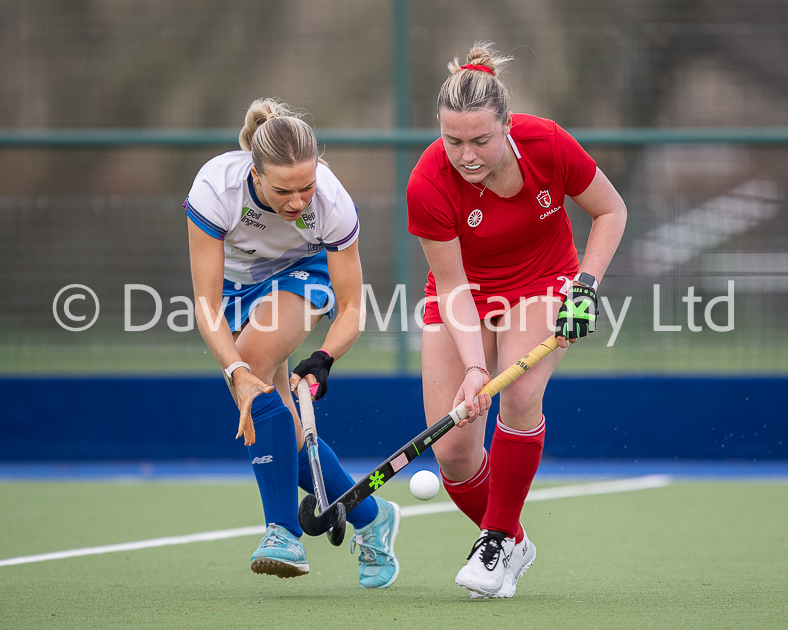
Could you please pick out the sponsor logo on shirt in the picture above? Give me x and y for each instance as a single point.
(549, 212)
(245, 251)
(544, 198)
(306, 221)
(250, 217)
(475, 217)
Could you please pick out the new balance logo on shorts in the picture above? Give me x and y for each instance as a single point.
(301, 275)
(265, 459)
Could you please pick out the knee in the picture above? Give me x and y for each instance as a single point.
(522, 411)
(458, 461)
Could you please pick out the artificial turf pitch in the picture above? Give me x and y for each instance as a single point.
(689, 555)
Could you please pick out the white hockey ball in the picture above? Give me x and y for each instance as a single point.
(424, 485)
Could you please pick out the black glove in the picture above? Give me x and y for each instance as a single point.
(318, 365)
(577, 317)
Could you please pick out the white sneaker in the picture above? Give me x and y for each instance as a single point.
(487, 563)
(522, 559)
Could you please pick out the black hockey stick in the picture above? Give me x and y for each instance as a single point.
(314, 525)
(335, 521)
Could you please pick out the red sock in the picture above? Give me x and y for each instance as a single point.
(471, 495)
(514, 459)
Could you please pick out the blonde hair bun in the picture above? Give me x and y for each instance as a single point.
(286, 140)
(469, 89)
(260, 111)
(481, 54)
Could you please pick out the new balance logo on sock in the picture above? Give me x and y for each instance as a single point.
(265, 459)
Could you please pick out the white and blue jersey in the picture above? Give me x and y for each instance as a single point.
(258, 242)
(259, 245)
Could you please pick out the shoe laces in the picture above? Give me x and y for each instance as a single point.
(369, 550)
(273, 538)
(491, 545)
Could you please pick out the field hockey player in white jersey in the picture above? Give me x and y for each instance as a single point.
(273, 238)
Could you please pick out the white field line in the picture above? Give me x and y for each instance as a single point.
(559, 492)
(544, 494)
(140, 544)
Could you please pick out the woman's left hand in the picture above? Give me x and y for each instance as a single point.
(318, 366)
(577, 316)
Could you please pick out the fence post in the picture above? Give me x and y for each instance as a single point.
(401, 72)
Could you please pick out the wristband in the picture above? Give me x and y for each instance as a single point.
(478, 368)
(234, 366)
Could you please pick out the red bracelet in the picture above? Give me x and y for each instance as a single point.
(478, 368)
(326, 351)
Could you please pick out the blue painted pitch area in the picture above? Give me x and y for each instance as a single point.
(218, 471)
(588, 419)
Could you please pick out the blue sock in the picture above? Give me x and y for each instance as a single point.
(275, 461)
(337, 483)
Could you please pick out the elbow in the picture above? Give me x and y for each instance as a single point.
(622, 215)
(623, 218)
(622, 211)
(617, 213)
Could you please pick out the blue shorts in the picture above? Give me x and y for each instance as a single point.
(309, 279)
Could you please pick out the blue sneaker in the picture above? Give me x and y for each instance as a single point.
(377, 564)
(280, 554)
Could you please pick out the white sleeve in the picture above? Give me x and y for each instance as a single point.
(341, 227)
(207, 210)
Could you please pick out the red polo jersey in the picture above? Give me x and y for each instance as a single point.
(511, 247)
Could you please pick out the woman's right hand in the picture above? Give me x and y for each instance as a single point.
(247, 388)
(475, 405)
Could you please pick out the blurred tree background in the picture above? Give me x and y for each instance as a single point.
(105, 217)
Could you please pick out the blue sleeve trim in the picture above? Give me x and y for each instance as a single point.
(334, 247)
(204, 224)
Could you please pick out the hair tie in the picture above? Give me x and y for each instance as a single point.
(475, 66)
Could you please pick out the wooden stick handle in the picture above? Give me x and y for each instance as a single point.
(512, 373)
(307, 410)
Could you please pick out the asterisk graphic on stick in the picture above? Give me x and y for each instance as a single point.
(376, 480)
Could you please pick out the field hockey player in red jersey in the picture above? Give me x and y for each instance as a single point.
(487, 203)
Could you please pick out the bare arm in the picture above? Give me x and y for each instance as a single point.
(604, 205)
(459, 315)
(207, 262)
(344, 268)
(609, 214)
